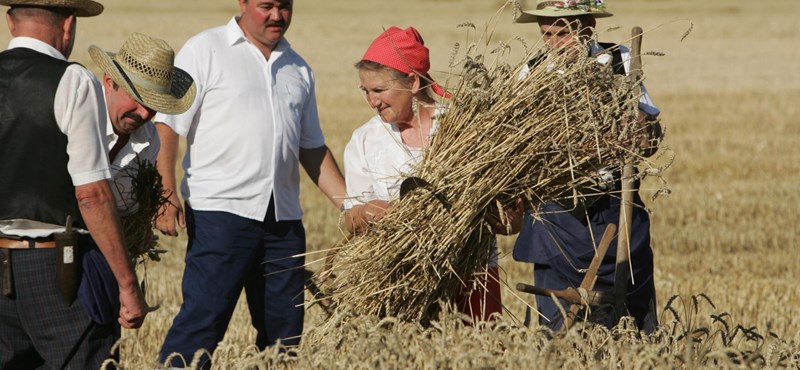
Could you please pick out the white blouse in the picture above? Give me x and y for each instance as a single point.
(376, 161)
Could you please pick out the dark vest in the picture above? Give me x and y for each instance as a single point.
(34, 182)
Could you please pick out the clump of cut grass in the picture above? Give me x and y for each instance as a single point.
(538, 135)
(148, 198)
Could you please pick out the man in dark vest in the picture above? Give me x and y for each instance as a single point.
(561, 240)
(54, 189)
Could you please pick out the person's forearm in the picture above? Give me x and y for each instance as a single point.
(166, 157)
(98, 208)
(321, 166)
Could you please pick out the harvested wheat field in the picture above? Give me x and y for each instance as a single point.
(726, 238)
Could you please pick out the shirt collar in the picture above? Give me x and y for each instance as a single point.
(35, 45)
(235, 35)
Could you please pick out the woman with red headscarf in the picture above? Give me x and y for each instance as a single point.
(395, 80)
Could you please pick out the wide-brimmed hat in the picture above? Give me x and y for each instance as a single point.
(405, 51)
(83, 8)
(144, 68)
(566, 8)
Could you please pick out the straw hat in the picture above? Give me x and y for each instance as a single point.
(144, 68)
(83, 8)
(566, 8)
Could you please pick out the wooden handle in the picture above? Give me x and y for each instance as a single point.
(636, 52)
(591, 274)
(626, 201)
(570, 295)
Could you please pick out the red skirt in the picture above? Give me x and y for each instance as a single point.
(480, 297)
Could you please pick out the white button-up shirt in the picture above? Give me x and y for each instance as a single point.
(78, 109)
(246, 126)
(142, 145)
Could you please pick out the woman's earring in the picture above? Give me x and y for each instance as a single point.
(415, 106)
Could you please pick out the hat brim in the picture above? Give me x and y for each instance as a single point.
(83, 8)
(177, 101)
(532, 16)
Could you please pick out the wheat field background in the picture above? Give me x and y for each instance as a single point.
(729, 94)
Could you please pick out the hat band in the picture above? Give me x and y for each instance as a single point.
(137, 81)
(545, 4)
(582, 5)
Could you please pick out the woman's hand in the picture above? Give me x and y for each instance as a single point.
(358, 218)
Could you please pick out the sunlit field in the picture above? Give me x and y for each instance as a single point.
(727, 250)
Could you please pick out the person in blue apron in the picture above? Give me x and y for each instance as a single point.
(560, 238)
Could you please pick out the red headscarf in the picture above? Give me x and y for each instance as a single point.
(405, 51)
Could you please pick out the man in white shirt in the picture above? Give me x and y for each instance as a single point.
(253, 123)
(54, 166)
(137, 81)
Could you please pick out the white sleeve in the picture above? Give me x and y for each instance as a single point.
(356, 173)
(80, 112)
(187, 60)
(645, 102)
(311, 135)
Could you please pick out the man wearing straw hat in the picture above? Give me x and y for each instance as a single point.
(137, 82)
(253, 124)
(55, 172)
(561, 243)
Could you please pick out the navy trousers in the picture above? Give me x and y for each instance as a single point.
(225, 254)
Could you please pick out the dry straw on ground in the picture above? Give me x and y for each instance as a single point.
(693, 336)
(506, 134)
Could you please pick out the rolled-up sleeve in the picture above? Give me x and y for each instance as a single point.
(80, 112)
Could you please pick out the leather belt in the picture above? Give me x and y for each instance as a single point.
(26, 243)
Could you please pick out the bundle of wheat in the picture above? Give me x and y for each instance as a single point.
(147, 199)
(511, 131)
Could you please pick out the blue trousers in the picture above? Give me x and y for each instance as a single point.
(226, 253)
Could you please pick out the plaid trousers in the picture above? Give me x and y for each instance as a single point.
(39, 329)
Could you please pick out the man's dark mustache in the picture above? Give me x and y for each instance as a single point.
(278, 24)
(134, 116)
